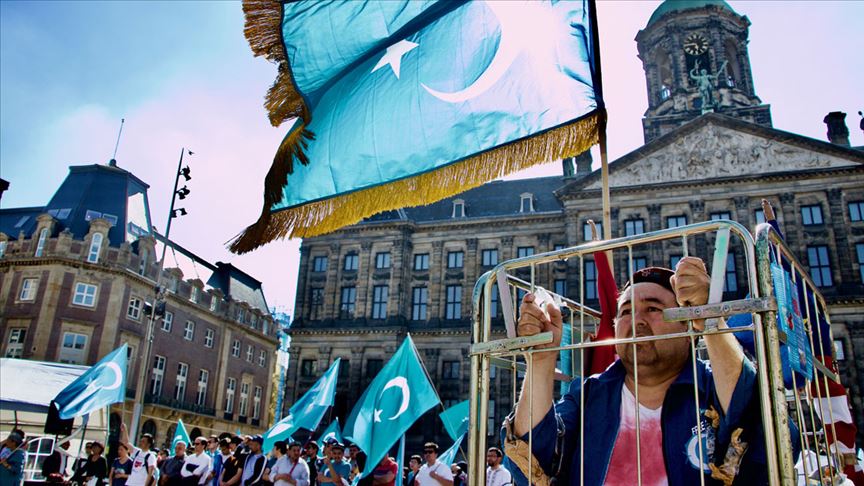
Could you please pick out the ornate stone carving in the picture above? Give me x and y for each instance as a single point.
(697, 206)
(334, 248)
(717, 152)
(742, 202)
(437, 245)
(654, 209)
(507, 241)
(787, 197)
(835, 195)
(366, 245)
(543, 239)
(472, 243)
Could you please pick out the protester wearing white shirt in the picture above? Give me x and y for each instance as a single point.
(290, 469)
(496, 474)
(143, 460)
(433, 472)
(197, 465)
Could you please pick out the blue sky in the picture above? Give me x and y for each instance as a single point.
(182, 74)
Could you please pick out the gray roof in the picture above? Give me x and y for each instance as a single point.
(496, 198)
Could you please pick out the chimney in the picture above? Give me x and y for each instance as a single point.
(583, 163)
(838, 132)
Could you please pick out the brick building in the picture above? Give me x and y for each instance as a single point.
(77, 278)
(361, 289)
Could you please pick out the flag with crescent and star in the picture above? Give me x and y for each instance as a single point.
(455, 419)
(333, 431)
(101, 385)
(403, 103)
(180, 435)
(396, 398)
(307, 412)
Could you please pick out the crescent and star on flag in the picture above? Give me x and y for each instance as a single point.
(511, 21)
(94, 387)
(401, 383)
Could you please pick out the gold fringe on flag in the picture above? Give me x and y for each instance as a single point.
(328, 215)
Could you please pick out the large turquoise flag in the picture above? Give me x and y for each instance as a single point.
(101, 385)
(448, 457)
(333, 431)
(395, 399)
(307, 412)
(404, 102)
(455, 419)
(180, 435)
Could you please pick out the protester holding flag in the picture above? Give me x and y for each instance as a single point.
(433, 472)
(143, 460)
(196, 466)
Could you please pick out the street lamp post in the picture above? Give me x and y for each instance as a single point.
(140, 383)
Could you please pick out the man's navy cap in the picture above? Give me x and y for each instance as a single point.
(257, 438)
(656, 275)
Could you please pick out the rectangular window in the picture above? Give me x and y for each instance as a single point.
(28, 289)
(230, 389)
(85, 294)
(561, 287)
(167, 321)
(316, 298)
(820, 266)
(721, 215)
(759, 215)
(250, 353)
(586, 230)
(491, 423)
(189, 331)
(308, 368)
(133, 310)
(811, 215)
(859, 251)
(490, 258)
(193, 294)
(235, 348)
(40, 245)
(95, 248)
(373, 367)
(455, 259)
(244, 399)
(201, 396)
(731, 275)
(379, 302)
(639, 263)
(2, 248)
(634, 227)
(676, 221)
(352, 262)
(382, 260)
(419, 303)
(421, 261)
(451, 370)
(319, 264)
(180, 384)
(15, 344)
(673, 260)
(493, 301)
(256, 403)
(344, 369)
(590, 275)
(454, 302)
(73, 348)
(856, 211)
(839, 350)
(209, 334)
(524, 251)
(347, 305)
(262, 358)
(214, 303)
(158, 375)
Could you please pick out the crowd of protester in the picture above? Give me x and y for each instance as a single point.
(235, 460)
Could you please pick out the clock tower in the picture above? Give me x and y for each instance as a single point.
(694, 53)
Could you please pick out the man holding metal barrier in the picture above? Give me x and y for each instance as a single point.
(597, 435)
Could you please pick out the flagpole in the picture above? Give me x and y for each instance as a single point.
(400, 460)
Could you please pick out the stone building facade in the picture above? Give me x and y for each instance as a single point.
(361, 289)
(74, 286)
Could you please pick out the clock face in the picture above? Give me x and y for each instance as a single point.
(695, 45)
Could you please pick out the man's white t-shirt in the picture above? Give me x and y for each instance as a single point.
(424, 479)
(622, 467)
(498, 476)
(138, 476)
(196, 465)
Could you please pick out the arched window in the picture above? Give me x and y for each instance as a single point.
(664, 74)
(526, 202)
(194, 434)
(95, 248)
(733, 67)
(149, 427)
(40, 245)
(458, 208)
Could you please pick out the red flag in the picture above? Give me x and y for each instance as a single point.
(603, 356)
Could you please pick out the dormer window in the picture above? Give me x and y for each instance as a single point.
(526, 202)
(95, 248)
(40, 245)
(458, 208)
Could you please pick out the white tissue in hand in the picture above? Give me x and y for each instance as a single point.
(543, 298)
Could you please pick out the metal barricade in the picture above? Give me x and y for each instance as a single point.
(516, 353)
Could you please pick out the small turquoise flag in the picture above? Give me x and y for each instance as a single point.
(403, 103)
(455, 419)
(180, 435)
(308, 411)
(331, 432)
(103, 384)
(449, 456)
(396, 398)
